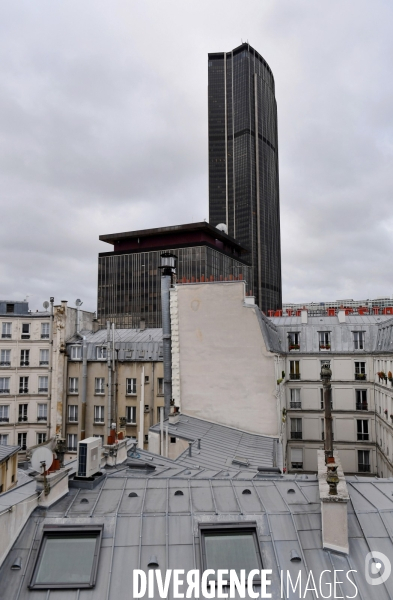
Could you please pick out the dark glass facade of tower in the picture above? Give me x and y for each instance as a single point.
(243, 163)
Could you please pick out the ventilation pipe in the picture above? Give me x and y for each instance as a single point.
(168, 266)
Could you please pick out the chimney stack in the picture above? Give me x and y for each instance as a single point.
(333, 506)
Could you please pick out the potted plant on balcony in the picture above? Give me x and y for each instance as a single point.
(294, 346)
(390, 377)
(386, 412)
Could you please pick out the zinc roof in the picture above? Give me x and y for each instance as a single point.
(7, 451)
(132, 344)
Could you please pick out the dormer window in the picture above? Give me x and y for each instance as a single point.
(76, 352)
(101, 353)
(293, 341)
(324, 341)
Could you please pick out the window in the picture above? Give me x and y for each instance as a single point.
(361, 400)
(71, 441)
(324, 340)
(322, 400)
(3, 439)
(44, 358)
(160, 386)
(131, 386)
(295, 398)
(358, 340)
(22, 440)
(23, 385)
(294, 369)
(73, 413)
(10, 308)
(131, 415)
(360, 370)
(98, 414)
(43, 384)
(6, 330)
(5, 358)
(4, 385)
(99, 386)
(147, 379)
(172, 440)
(76, 352)
(72, 385)
(41, 438)
(22, 411)
(362, 430)
(296, 458)
(293, 341)
(42, 412)
(101, 352)
(25, 331)
(230, 546)
(24, 358)
(364, 461)
(67, 557)
(4, 413)
(296, 429)
(44, 331)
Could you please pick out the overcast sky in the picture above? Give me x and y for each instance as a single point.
(103, 128)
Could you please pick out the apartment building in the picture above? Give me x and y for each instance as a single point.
(383, 385)
(124, 381)
(31, 345)
(348, 340)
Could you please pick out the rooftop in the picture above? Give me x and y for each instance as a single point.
(7, 451)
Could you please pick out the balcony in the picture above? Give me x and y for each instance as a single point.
(4, 419)
(45, 336)
(363, 437)
(43, 390)
(361, 406)
(360, 377)
(296, 435)
(294, 347)
(23, 390)
(25, 336)
(295, 405)
(42, 418)
(363, 468)
(22, 418)
(294, 375)
(5, 391)
(5, 363)
(24, 363)
(6, 336)
(44, 363)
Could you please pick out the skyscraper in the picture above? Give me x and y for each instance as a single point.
(243, 166)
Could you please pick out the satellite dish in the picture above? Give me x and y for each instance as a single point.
(78, 302)
(46, 304)
(222, 227)
(39, 456)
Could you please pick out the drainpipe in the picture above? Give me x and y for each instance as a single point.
(84, 387)
(168, 266)
(108, 356)
(141, 410)
(50, 376)
(114, 379)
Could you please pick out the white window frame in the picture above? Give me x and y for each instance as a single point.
(6, 330)
(42, 412)
(73, 385)
(364, 434)
(44, 357)
(45, 331)
(296, 425)
(99, 414)
(76, 352)
(358, 340)
(5, 358)
(3, 439)
(25, 357)
(41, 434)
(131, 385)
(43, 384)
(23, 385)
(5, 385)
(72, 415)
(99, 385)
(296, 458)
(130, 414)
(101, 352)
(160, 386)
(295, 402)
(4, 413)
(324, 341)
(23, 444)
(25, 331)
(72, 442)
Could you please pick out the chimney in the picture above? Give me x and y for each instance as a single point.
(341, 314)
(142, 324)
(334, 499)
(303, 315)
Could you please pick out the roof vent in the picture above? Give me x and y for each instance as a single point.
(133, 495)
(179, 493)
(295, 556)
(187, 472)
(246, 492)
(291, 491)
(153, 562)
(17, 564)
(84, 501)
(240, 460)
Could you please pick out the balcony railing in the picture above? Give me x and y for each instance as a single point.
(24, 363)
(363, 437)
(324, 347)
(72, 390)
(293, 347)
(45, 336)
(294, 375)
(71, 448)
(44, 362)
(23, 390)
(42, 390)
(297, 465)
(296, 435)
(25, 336)
(22, 418)
(362, 468)
(295, 405)
(360, 376)
(5, 391)
(4, 419)
(5, 363)
(42, 418)
(361, 406)
(6, 336)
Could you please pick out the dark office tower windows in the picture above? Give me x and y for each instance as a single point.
(243, 163)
